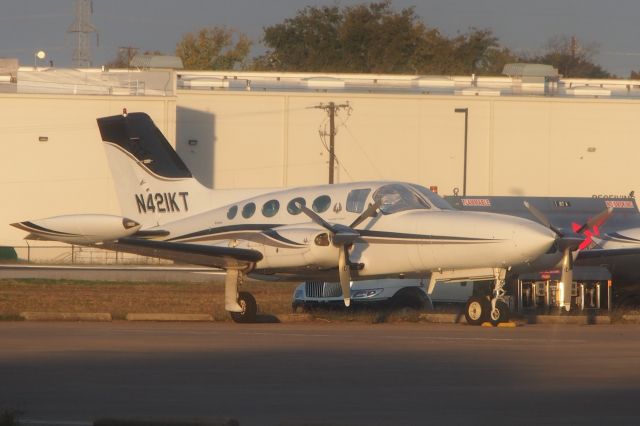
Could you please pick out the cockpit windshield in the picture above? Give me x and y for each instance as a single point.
(433, 198)
(397, 197)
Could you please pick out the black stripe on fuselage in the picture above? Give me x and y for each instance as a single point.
(400, 236)
(223, 230)
(226, 232)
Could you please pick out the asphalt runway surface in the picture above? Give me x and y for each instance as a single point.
(322, 374)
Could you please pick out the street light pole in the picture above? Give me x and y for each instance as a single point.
(466, 128)
(40, 54)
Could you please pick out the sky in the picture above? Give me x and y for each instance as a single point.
(27, 26)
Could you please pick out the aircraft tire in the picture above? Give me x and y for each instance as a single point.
(500, 313)
(248, 302)
(476, 310)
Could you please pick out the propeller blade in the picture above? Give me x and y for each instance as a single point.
(542, 218)
(597, 220)
(345, 276)
(315, 217)
(566, 278)
(342, 234)
(371, 211)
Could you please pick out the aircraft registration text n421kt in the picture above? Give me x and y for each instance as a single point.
(162, 202)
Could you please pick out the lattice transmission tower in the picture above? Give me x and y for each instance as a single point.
(82, 27)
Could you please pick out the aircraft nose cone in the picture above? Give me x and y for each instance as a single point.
(531, 239)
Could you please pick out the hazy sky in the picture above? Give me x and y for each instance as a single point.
(27, 26)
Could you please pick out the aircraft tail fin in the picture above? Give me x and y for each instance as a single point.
(154, 186)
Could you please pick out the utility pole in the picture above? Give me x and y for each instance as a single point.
(127, 52)
(331, 108)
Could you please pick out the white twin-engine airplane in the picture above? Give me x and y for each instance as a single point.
(331, 232)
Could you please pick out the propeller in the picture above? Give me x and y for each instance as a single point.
(342, 237)
(568, 244)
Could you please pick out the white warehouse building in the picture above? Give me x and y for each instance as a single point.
(528, 133)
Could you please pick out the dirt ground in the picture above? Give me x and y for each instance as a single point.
(121, 298)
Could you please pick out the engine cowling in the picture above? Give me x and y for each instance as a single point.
(295, 246)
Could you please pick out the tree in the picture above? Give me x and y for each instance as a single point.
(571, 58)
(374, 38)
(362, 38)
(479, 52)
(214, 48)
(123, 58)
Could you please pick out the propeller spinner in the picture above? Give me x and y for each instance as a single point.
(342, 237)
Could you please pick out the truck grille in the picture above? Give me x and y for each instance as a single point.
(322, 289)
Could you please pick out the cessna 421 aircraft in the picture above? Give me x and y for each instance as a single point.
(328, 232)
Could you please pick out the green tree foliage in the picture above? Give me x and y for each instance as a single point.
(571, 58)
(214, 48)
(374, 38)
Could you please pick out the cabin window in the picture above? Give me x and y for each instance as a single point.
(232, 212)
(270, 208)
(248, 210)
(293, 206)
(321, 204)
(357, 199)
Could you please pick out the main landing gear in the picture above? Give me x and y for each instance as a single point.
(480, 309)
(242, 306)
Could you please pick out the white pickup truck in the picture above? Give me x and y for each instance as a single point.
(394, 292)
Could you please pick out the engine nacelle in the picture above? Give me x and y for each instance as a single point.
(295, 246)
(80, 228)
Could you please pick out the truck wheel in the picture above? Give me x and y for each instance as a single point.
(500, 313)
(477, 310)
(249, 308)
(411, 298)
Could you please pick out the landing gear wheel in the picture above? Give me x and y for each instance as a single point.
(249, 308)
(477, 310)
(500, 313)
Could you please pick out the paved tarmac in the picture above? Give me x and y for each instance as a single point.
(322, 374)
(169, 273)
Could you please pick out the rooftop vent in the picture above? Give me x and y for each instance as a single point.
(157, 61)
(523, 70)
(202, 83)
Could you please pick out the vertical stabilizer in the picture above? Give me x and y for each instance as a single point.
(153, 184)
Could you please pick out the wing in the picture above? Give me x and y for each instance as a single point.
(606, 254)
(195, 254)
